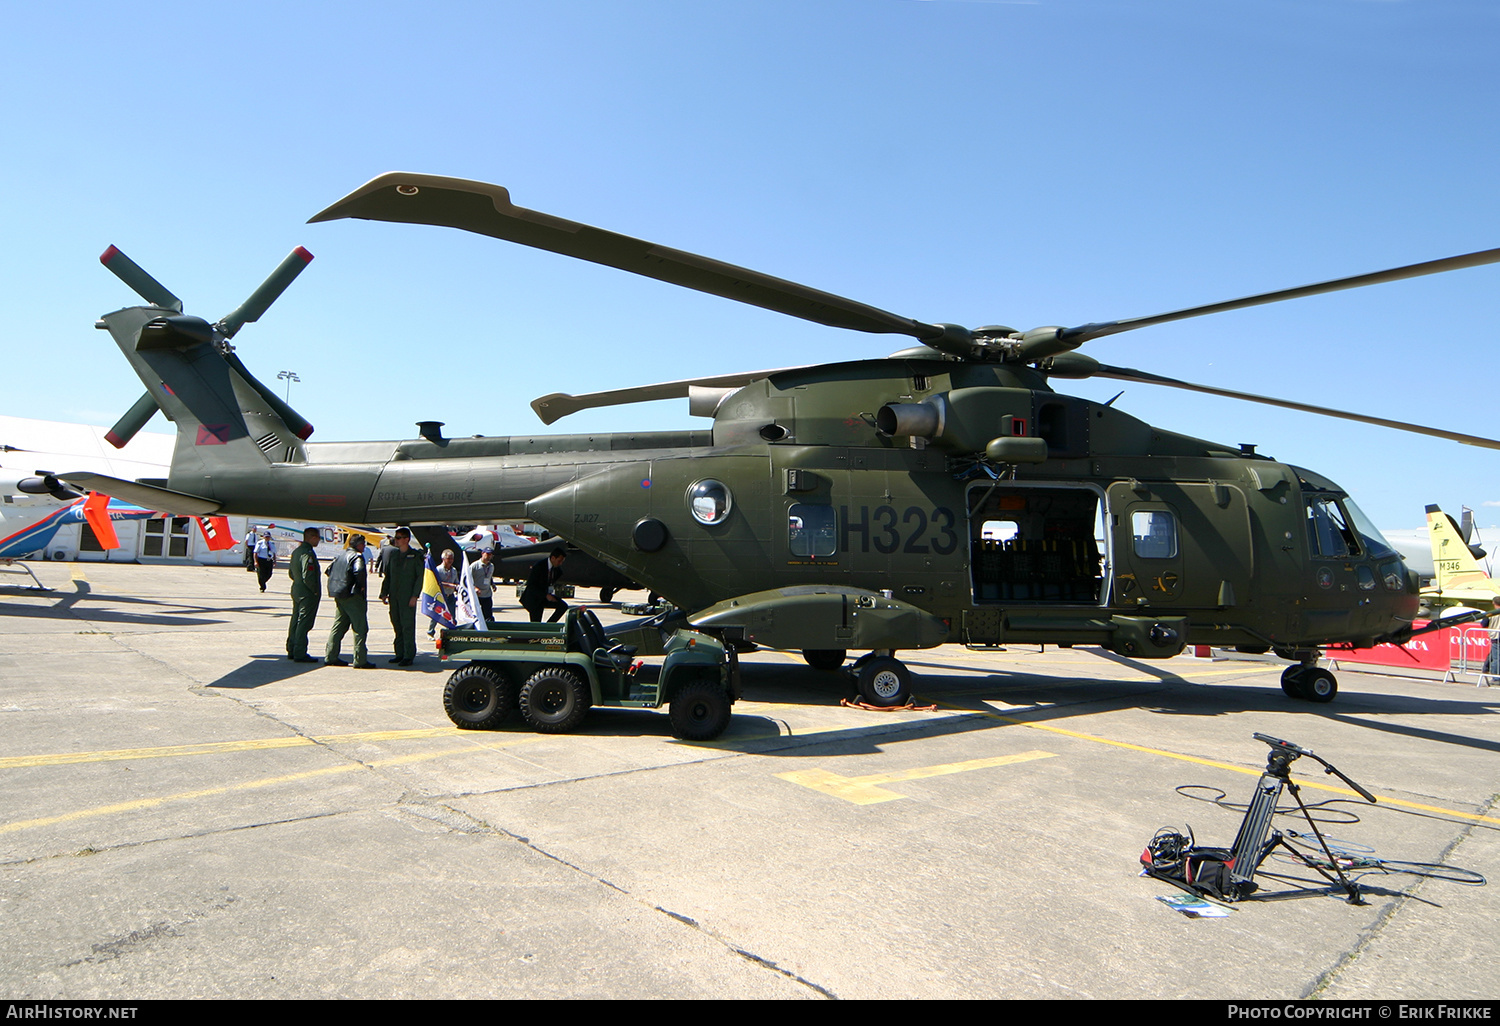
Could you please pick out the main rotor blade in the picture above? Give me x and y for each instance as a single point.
(554, 407)
(1129, 374)
(487, 210)
(1072, 338)
(145, 286)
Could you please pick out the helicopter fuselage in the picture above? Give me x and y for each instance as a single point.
(1121, 534)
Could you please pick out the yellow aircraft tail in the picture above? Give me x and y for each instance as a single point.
(1452, 558)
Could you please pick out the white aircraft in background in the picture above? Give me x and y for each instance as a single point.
(496, 536)
(34, 505)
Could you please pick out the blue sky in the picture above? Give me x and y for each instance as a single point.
(1016, 163)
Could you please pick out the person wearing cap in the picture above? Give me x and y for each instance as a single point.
(399, 590)
(346, 586)
(307, 589)
(265, 558)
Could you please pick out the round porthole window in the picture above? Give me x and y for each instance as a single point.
(709, 502)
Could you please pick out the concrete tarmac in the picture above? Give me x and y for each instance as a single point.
(186, 813)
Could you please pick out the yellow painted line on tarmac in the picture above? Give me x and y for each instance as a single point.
(1191, 674)
(216, 747)
(250, 785)
(1235, 769)
(864, 790)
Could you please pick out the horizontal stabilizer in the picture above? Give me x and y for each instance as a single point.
(143, 495)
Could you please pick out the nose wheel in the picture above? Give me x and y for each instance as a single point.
(1309, 683)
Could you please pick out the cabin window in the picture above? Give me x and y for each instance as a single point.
(1366, 578)
(710, 502)
(1000, 530)
(1155, 533)
(811, 530)
(1328, 532)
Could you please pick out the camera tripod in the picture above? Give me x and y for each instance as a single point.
(1229, 874)
(1256, 838)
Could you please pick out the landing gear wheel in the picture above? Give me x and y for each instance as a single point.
(1292, 682)
(605, 594)
(700, 711)
(477, 698)
(1318, 685)
(825, 658)
(554, 701)
(883, 681)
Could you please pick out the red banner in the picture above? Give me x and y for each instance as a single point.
(1468, 645)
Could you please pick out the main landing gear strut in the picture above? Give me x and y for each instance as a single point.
(880, 677)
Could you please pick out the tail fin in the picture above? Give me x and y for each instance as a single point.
(227, 421)
(1452, 557)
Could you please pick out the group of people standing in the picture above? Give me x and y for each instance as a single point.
(402, 568)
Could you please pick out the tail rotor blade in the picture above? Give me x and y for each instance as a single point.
(145, 286)
(250, 310)
(135, 418)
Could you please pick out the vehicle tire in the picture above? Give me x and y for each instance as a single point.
(884, 681)
(825, 658)
(1291, 682)
(1318, 685)
(605, 594)
(700, 711)
(554, 700)
(477, 697)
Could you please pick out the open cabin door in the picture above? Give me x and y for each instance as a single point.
(1031, 544)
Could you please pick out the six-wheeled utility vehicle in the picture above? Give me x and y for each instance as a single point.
(555, 671)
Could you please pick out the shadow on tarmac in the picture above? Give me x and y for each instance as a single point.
(70, 605)
(1025, 697)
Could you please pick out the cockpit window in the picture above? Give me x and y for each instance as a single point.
(1374, 543)
(1328, 531)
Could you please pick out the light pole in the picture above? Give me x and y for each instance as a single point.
(289, 377)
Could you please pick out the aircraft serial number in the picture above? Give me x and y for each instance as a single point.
(881, 530)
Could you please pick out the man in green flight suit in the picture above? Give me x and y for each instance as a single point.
(307, 589)
(399, 589)
(346, 586)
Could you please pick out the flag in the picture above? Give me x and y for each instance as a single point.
(468, 599)
(216, 532)
(431, 604)
(96, 512)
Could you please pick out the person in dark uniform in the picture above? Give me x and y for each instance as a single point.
(383, 558)
(540, 591)
(265, 558)
(346, 586)
(399, 589)
(307, 589)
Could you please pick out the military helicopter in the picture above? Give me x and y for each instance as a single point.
(943, 494)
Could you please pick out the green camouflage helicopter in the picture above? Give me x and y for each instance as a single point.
(943, 494)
